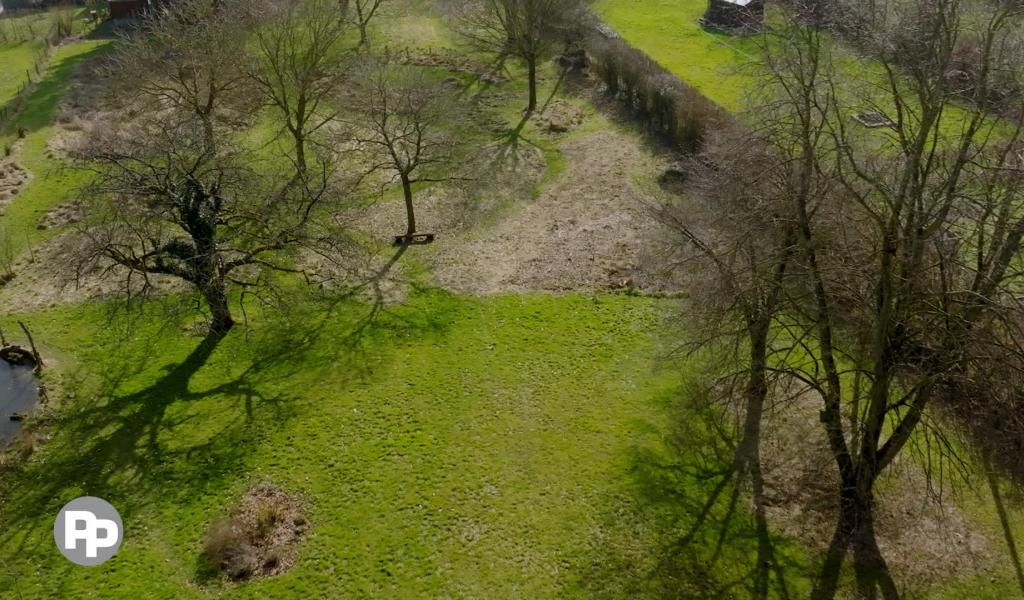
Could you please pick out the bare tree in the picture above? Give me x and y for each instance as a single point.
(525, 29)
(404, 126)
(885, 260)
(173, 194)
(907, 239)
(733, 217)
(363, 12)
(300, 63)
(188, 56)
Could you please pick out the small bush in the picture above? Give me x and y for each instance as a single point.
(258, 538)
(227, 547)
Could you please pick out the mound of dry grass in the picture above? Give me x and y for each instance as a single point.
(260, 536)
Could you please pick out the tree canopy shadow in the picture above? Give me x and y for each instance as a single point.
(113, 449)
(196, 424)
(509, 141)
(691, 520)
(992, 477)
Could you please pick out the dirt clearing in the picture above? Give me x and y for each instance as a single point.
(590, 230)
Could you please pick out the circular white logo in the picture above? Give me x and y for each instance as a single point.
(88, 531)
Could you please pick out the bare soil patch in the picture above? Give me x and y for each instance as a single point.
(453, 61)
(66, 214)
(12, 179)
(590, 230)
(559, 117)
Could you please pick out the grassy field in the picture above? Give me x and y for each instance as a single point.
(453, 448)
(450, 447)
(528, 446)
(19, 59)
(53, 183)
(727, 68)
(23, 47)
(717, 65)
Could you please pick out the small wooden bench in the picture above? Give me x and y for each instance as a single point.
(873, 120)
(416, 239)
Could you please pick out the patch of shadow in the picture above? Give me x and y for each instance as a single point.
(684, 526)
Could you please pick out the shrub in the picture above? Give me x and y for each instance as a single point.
(666, 105)
(259, 536)
(228, 547)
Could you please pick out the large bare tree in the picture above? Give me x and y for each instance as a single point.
(907, 235)
(884, 260)
(188, 57)
(173, 192)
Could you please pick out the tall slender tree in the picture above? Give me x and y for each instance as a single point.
(525, 29)
(404, 125)
(300, 62)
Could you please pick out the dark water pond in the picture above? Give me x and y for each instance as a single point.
(19, 393)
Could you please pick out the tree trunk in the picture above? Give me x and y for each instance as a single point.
(364, 36)
(870, 567)
(855, 532)
(211, 282)
(531, 64)
(410, 212)
(300, 155)
(217, 300)
(749, 452)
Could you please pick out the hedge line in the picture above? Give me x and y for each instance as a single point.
(665, 104)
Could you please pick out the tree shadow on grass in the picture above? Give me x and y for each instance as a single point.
(992, 477)
(196, 425)
(508, 149)
(114, 450)
(688, 527)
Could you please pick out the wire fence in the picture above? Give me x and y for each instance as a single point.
(51, 28)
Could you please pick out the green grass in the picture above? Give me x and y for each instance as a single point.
(52, 182)
(453, 447)
(23, 48)
(716, 64)
(19, 61)
(530, 446)
(25, 26)
(727, 68)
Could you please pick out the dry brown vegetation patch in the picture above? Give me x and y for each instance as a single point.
(66, 214)
(12, 179)
(923, 536)
(260, 537)
(47, 276)
(559, 117)
(453, 61)
(592, 229)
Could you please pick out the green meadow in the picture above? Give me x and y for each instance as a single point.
(445, 446)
